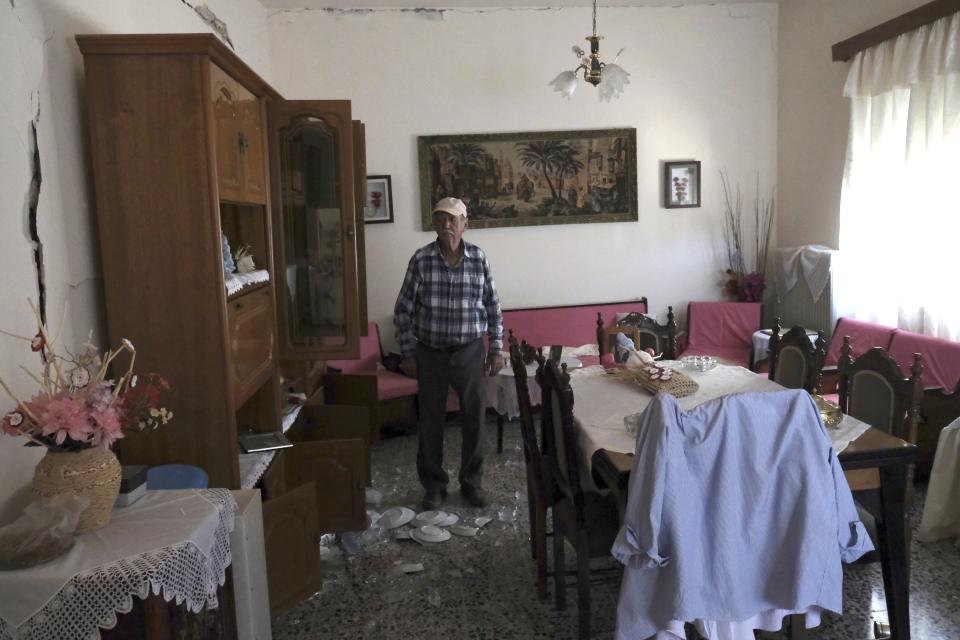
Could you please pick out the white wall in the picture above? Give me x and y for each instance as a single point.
(814, 115)
(42, 77)
(703, 86)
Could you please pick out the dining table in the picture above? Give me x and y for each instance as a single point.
(874, 462)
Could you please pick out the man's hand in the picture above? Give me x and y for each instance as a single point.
(494, 363)
(409, 366)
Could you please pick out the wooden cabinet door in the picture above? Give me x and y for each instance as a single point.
(314, 229)
(252, 169)
(250, 321)
(360, 188)
(225, 93)
(330, 449)
(290, 542)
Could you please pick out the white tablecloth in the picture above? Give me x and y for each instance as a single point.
(175, 543)
(601, 402)
(502, 391)
(941, 511)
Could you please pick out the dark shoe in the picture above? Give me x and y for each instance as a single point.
(433, 500)
(474, 497)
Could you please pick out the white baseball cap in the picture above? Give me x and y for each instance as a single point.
(453, 206)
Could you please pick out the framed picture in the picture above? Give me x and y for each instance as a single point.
(379, 204)
(681, 184)
(521, 179)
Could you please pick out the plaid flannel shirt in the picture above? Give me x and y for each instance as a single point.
(444, 307)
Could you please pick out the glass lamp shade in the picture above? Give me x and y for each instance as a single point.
(612, 81)
(565, 83)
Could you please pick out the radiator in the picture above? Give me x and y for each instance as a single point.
(797, 305)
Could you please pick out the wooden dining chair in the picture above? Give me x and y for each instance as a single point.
(795, 362)
(539, 489)
(873, 389)
(589, 521)
(662, 338)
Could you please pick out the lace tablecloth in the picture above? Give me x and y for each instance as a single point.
(174, 543)
(602, 402)
(237, 281)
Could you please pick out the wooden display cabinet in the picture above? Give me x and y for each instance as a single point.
(179, 144)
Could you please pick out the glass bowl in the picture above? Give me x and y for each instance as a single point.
(699, 363)
(829, 412)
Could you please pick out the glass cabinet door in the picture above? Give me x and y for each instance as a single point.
(314, 229)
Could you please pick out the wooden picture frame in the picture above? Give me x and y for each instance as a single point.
(532, 178)
(681, 184)
(378, 207)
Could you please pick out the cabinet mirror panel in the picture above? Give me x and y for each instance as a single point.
(313, 240)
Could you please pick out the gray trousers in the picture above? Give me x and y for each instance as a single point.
(436, 371)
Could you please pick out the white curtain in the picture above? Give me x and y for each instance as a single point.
(900, 203)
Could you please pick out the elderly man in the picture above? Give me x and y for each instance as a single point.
(447, 302)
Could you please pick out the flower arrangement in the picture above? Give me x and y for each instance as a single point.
(746, 282)
(77, 406)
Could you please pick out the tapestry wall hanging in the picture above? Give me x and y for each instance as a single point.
(522, 179)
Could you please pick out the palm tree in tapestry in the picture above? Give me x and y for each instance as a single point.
(543, 155)
(466, 154)
(568, 165)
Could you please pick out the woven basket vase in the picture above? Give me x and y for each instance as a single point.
(93, 472)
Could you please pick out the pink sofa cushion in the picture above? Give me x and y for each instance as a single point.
(941, 358)
(727, 325)
(863, 337)
(369, 354)
(393, 385)
(570, 326)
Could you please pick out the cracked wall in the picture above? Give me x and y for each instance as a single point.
(48, 237)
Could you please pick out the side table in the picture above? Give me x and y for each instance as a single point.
(170, 543)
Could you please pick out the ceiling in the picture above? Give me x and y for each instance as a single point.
(480, 4)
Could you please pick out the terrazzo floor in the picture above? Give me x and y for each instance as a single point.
(483, 587)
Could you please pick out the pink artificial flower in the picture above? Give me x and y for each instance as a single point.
(100, 396)
(61, 416)
(11, 423)
(106, 427)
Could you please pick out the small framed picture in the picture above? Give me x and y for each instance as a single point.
(681, 184)
(379, 204)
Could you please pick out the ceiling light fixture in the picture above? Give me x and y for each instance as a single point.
(608, 77)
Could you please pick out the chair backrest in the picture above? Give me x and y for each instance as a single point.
(863, 337)
(873, 389)
(722, 324)
(566, 455)
(795, 362)
(370, 354)
(528, 431)
(941, 357)
(659, 337)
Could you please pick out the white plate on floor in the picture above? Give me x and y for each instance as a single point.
(572, 363)
(430, 533)
(429, 517)
(463, 530)
(451, 518)
(395, 517)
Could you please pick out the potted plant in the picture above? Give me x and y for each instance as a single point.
(78, 413)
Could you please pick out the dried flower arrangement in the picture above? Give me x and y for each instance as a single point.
(77, 407)
(746, 281)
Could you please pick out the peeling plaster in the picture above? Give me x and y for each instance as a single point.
(33, 199)
(211, 20)
(428, 13)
